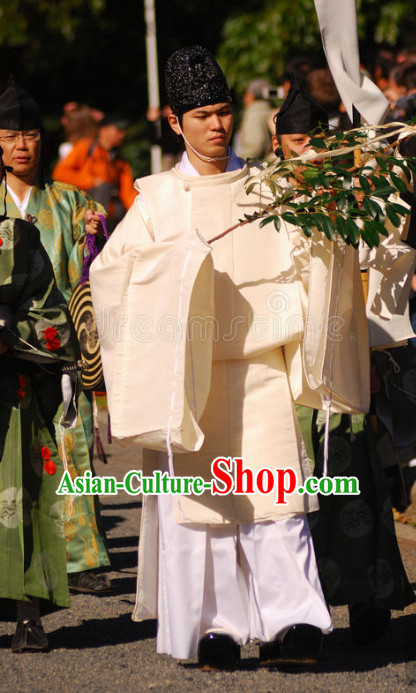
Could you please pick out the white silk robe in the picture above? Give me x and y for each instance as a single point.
(205, 348)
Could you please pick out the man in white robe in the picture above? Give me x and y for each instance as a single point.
(220, 570)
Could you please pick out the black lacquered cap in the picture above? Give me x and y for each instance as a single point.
(18, 111)
(193, 78)
(300, 114)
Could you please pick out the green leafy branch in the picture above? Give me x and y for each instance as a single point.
(340, 195)
(345, 187)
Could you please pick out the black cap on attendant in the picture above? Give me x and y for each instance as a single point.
(300, 114)
(193, 78)
(18, 111)
(115, 119)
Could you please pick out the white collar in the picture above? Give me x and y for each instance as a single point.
(233, 164)
(20, 204)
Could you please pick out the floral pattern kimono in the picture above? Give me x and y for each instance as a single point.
(35, 326)
(58, 210)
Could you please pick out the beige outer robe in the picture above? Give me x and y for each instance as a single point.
(205, 348)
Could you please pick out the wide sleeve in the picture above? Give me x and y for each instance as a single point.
(331, 362)
(74, 235)
(39, 328)
(157, 370)
(390, 270)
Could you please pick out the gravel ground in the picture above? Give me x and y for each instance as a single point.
(97, 648)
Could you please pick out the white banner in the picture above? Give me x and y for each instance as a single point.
(338, 25)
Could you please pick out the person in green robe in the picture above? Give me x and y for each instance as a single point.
(37, 340)
(354, 538)
(60, 212)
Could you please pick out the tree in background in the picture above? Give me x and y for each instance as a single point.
(94, 50)
(258, 43)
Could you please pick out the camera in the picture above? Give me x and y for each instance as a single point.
(273, 93)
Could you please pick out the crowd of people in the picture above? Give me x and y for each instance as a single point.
(216, 570)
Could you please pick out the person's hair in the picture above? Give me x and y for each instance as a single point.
(394, 73)
(258, 88)
(296, 69)
(321, 86)
(406, 55)
(406, 76)
(79, 123)
(382, 63)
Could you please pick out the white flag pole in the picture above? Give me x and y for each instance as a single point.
(152, 76)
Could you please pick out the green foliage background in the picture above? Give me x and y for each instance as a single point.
(94, 50)
(257, 43)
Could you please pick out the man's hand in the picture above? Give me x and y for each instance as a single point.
(92, 223)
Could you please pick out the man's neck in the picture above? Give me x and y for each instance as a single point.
(206, 168)
(20, 186)
(102, 141)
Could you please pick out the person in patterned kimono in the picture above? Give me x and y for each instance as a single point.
(36, 340)
(354, 538)
(59, 211)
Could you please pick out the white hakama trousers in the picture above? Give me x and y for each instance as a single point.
(250, 581)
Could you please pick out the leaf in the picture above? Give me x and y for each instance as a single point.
(353, 232)
(411, 162)
(367, 238)
(382, 187)
(375, 230)
(382, 163)
(317, 143)
(268, 220)
(372, 208)
(405, 168)
(306, 226)
(307, 204)
(357, 213)
(316, 221)
(342, 202)
(400, 209)
(276, 221)
(341, 227)
(273, 187)
(328, 227)
(289, 217)
(394, 218)
(398, 182)
(365, 185)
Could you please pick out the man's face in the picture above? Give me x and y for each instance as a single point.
(21, 151)
(111, 137)
(208, 128)
(294, 143)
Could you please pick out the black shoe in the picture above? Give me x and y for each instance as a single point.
(30, 636)
(300, 647)
(218, 651)
(368, 621)
(88, 583)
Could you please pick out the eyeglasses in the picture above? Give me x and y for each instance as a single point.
(27, 135)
